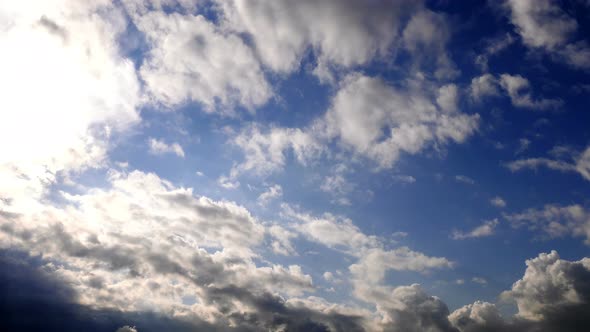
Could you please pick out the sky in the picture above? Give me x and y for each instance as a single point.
(279, 165)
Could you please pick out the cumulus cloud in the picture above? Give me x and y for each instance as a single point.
(133, 236)
(265, 149)
(544, 25)
(368, 118)
(478, 316)
(340, 32)
(486, 229)
(160, 147)
(555, 220)
(378, 121)
(549, 285)
(425, 37)
(191, 59)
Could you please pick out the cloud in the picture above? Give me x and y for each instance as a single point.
(161, 147)
(550, 283)
(410, 308)
(265, 150)
(367, 118)
(517, 87)
(135, 235)
(580, 164)
(483, 86)
(479, 280)
(404, 178)
(486, 229)
(555, 220)
(272, 192)
(342, 33)
(59, 113)
(126, 328)
(425, 38)
(498, 202)
(464, 179)
(191, 59)
(448, 97)
(544, 25)
(378, 121)
(478, 316)
(493, 47)
(331, 231)
(281, 243)
(374, 262)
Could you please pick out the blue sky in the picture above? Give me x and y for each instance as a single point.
(291, 165)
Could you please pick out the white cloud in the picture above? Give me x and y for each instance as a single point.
(265, 150)
(493, 47)
(281, 243)
(404, 178)
(367, 117)
(542, 24)
(486, 229)
(58, 113)
(143, 231)
(425, 37)
(272, 192)
(378, 121)
(498, 202)
(190, 59)
(555, 220)
(518, 88)
(484, 86)
(343, 33)
(126, 328)
(479, 280)
(580, 164)
(374, 262)
(448, 97)
(331, 231)
(160, 147)
(228, 183)
(464, 179)
(548, 284)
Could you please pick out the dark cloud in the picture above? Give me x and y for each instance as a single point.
(33, 299)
